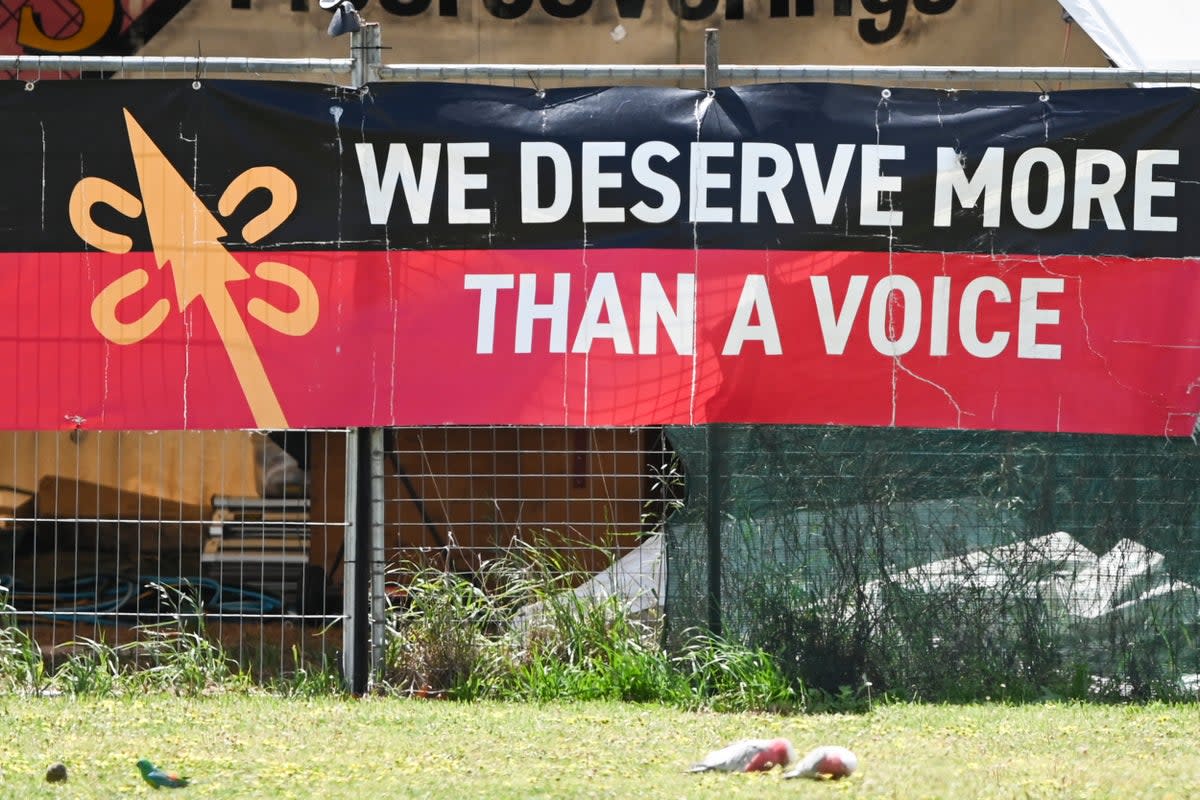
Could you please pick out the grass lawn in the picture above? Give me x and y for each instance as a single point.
(270, 747)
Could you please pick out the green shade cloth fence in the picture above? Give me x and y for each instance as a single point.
(943, 564)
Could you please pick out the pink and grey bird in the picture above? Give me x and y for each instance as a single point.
(826, 761)
(748, 755)
(159, 778)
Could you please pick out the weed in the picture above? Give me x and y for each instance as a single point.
(530, 637)
(177, 655)
(22, 665)
(323, 680)
(94, 668)
(727, 676)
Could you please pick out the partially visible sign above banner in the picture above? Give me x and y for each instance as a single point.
(77, 27)
(923, 32)
(249, 254)
(883, 18)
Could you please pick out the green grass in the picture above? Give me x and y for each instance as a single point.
(256, 746)
(578, 701)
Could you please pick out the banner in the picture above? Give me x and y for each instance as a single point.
(181, 254)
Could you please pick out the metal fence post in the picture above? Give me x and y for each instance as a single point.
(712, 521)
(712, 58)
(353, 597)
(378, 561)
(363, 590)
(366, 54)
(713, 438)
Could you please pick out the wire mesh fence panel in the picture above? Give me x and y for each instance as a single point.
(133, 539)
(945, 563)
(457, 497)
(493, 529)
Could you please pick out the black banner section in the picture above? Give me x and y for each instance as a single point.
(787, 167)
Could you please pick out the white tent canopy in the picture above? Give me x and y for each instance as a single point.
(1141, 34)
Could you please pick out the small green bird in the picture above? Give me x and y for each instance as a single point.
(158, 777)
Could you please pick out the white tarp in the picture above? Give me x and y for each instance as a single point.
(1141, 34)
(1084, 585)
(637, 579)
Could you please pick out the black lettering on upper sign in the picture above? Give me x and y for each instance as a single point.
(404, 8)
(871, 31)
(630, 9)
(808, 8)
(566, 9)
(507, 9)
(884, 21)
(693, 9)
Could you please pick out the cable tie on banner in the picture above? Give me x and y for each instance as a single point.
(17, 71)
(537, 90)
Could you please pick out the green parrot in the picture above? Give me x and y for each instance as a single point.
(158, 777)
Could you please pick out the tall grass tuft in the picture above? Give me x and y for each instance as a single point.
(323, 680)
(94, 668)
(514, 630)
(177, 655)
(727, 676)
(22, 665)
(589, 649)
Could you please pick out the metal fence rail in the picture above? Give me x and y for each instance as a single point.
(365, 64)
(755, 74)
(199, 65)
(209, 65)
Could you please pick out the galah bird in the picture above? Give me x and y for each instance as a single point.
(748, 755)
(829, 760)
(159, 777)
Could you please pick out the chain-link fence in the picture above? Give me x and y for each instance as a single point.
(944, 563)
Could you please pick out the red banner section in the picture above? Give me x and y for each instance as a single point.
(604, 337)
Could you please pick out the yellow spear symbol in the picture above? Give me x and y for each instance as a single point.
(187, 236)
